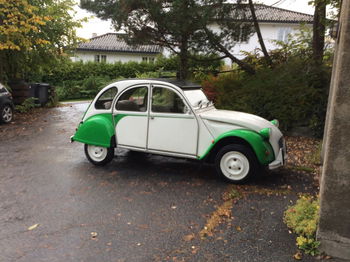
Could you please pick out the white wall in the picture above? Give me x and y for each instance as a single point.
(269, 32)
(111, 57)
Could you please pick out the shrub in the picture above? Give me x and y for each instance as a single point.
(75, 80)
(302, 219)
(283, 92)
(26, 106)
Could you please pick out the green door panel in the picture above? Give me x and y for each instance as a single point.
(261, 147)
(96, 130)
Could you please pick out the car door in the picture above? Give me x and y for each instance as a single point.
(173, 128)
(131, 117)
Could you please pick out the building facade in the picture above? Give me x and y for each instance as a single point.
(111, 48)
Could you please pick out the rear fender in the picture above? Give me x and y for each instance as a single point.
(97, 130)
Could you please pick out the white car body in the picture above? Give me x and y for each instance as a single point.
(192, 133)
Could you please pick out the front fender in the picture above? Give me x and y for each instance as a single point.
(261, 147)
(96, 130)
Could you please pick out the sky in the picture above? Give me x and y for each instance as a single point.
(100, 27)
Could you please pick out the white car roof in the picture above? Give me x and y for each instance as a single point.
(177, 84)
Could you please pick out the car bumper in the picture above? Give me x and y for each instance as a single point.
(281, 157)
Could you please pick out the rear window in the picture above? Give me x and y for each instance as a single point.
(105, 100)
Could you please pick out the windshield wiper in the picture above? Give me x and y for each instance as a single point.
(200, 103)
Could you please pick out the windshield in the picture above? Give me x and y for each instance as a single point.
(197, 98)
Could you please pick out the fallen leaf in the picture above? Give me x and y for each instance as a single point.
(93, 234)
(238, 228)
(298, 256)
(189, 237)
(33, 227)
(173, 207)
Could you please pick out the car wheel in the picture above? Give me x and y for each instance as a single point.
(236, 163)
(98, 155)
(6, 114)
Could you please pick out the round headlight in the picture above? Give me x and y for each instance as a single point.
(275, 122)
(265, 133)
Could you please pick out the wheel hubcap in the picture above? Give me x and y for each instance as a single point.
(7, 114)
(234, 165)
(97, 153)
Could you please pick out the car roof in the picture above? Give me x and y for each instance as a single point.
(183, 84)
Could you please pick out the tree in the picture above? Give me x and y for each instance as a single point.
(179, 25)
(258, 32)
(33, 34)
(319, 28)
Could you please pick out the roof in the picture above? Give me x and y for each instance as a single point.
(182, 84)
(271, 14)
(113, 42)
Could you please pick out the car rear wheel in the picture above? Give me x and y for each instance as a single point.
(236, 163)
(6, 114)
(98, 155)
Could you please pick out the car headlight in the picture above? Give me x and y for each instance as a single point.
(265, 133)
(275, 123)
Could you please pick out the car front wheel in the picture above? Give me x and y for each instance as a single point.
(236, 163)
(98, 155)
(6, 114)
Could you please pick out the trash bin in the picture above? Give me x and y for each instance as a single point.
(40, 91)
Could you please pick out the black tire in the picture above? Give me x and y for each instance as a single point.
(236, 163)
(6, 113)
(104, 159)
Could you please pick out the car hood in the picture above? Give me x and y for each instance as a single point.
(241, 119)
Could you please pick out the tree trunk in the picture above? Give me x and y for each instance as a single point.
(319, 31)
(258, 32)
(217, 45)
(183, 70)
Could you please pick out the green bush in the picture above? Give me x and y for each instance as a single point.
(283, 92)
(302, 219)
(75, 80)
(26, 106)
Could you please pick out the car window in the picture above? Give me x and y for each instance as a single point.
(165, 100)
(105, 100)
(134, 99)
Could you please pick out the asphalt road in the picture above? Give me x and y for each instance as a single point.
(56, 206)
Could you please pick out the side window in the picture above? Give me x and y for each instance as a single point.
(165, 100)
(134, 99)
(105, 100)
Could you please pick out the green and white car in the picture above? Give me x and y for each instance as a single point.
(175, 118)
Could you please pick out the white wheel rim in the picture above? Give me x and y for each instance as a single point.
(97, 153)
(234, 165)
(7, 114)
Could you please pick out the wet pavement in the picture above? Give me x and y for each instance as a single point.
(56, 206)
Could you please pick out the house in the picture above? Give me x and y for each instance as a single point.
(111, 48)
(275, 24)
